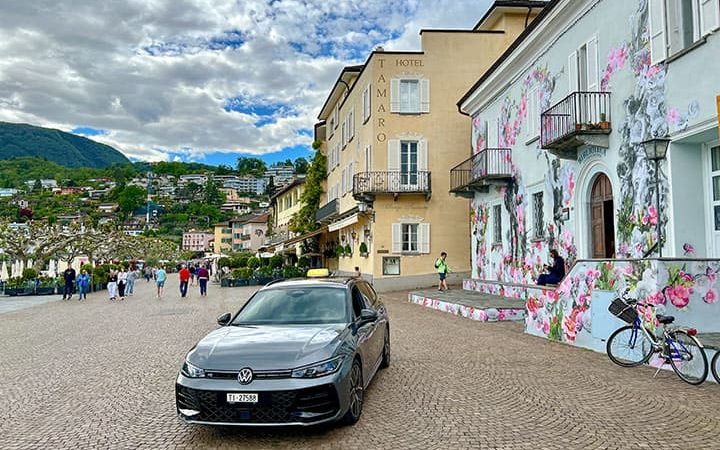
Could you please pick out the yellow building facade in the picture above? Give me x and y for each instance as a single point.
(222, 243)
(391, 132)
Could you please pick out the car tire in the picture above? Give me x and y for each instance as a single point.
(356, 395)
(386, 351)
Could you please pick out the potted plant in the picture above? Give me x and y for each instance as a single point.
(340, 251)
(348, 251)
(13, 285)
(604, 124)
(45, 286)
(363, 250)
(263, 275)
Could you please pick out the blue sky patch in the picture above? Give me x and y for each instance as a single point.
(89, 131)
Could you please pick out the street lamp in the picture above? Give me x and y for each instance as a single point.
(656, 150)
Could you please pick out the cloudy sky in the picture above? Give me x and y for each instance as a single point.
(201, 80)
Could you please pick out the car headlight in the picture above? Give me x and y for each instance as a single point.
(192, 371)
(318, 370)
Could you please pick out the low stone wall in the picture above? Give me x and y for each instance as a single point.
(406, 283)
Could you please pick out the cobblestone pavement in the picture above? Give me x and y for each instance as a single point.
(97, 375)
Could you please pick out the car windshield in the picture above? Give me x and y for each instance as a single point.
(302, 305)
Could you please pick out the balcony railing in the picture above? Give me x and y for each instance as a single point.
(244, 237)
(277, 238)
(328, 211)
(577, 115)
(372, 183)
(480, 169)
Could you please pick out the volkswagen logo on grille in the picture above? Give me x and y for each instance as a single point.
(245, 375)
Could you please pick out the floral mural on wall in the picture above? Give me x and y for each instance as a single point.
(479, 217)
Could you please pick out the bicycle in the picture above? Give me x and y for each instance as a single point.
(634, 345)
(715, 366)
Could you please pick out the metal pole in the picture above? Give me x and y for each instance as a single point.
(657, 206)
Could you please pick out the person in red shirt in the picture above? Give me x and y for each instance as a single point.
(184, 279)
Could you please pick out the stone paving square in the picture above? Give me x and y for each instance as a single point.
(100, 375)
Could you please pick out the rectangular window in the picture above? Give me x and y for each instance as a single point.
(497, 224)
(368, 158)
(675, 25)
(409, 163)
(410, 237)
(715, 184)
(533, 114)
(391, 265)
(538, 217)
(409, 96)
(366, 102)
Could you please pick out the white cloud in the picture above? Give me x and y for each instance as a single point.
(156, 73)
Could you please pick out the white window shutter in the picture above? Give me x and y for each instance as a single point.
(396, 238)
(592, 64)
(572, 72)
(425, 96)
(352, 123)
(658, 41)
(424, 238)
(395, 95)
(343, 180)
(393, 155)
(422, 155)
(369, 102)
(709, 16)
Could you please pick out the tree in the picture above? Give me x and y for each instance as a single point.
(131, 198)
(251, 166)
(303, 221)
(37, 186)
(301, 166)
(213, 196)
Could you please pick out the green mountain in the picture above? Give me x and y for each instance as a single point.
(69, 150)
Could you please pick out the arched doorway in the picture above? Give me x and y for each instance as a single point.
(602, 222)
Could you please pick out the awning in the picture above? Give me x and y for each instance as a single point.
(340, 224)
(304, 236)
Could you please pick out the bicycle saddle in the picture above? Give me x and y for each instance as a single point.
(665, 319)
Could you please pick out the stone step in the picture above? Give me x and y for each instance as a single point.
(471, 305)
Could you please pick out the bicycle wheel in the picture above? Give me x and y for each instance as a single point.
(715, 366)
(688, 358)
(629, 347)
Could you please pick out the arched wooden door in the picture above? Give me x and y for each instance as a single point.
(602, 220)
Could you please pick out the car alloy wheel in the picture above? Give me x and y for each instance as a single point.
(356, 395)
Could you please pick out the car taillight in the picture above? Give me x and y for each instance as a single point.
(692, 331)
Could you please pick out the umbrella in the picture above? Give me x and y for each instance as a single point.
(52, 270)
(15, 267)
(4, 275)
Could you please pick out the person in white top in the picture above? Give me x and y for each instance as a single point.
(122, 282)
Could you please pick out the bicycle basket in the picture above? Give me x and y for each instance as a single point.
(623, 311)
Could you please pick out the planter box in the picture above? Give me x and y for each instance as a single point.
(11, 291)
(45, 291)
(224, 282)
(242, 282)
(263, 280)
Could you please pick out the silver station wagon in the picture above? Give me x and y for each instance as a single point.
(297, 353)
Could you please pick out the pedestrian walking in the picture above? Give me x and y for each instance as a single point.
(443, 270)
(131, 277)
(69, 278)
(83, 285)
(160, 277)
(148, 273)
(112, 285)
(122, 282)
(203, 276)
(184, 276)
(192, 270)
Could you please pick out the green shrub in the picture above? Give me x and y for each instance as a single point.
(340, 251)
(264, 271)
(224, 262)
(29, 274)
(304, 261)
(348, 250)
(292, 272)
(253, 262)
(236, 274)
(242, 261)
(276, 261)
(87, 268)
(245, 273)
(125, 264)
(363, 247)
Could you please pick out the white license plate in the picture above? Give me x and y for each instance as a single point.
(242, 398)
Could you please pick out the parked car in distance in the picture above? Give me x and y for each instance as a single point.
(298, 352)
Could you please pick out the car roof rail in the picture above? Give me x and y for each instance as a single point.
(277, 280)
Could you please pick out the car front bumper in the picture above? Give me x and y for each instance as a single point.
(281, 402)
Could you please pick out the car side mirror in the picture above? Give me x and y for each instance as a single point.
(224, 319)
(368, 315)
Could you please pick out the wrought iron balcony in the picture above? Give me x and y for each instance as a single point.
(277, 238)
(488, 166)
(368, 184)
(327, 212)
(244, 237)
(578, 119)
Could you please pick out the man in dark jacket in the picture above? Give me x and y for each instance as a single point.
(69, 277)
(556, 272)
